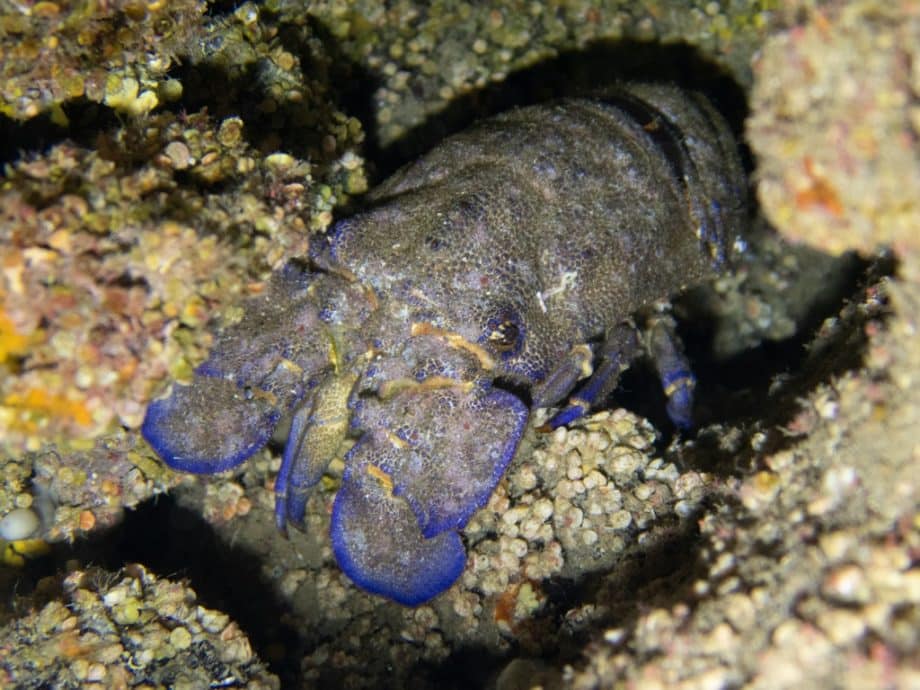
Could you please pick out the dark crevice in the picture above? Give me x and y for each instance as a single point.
(741, 390)
(763, 387)
(601, 66)
(85, 120)
(519, 390)
(222, 8)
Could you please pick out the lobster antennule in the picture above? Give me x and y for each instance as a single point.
(209, 426)
(407, 490)
(444, 449)
(480, 438)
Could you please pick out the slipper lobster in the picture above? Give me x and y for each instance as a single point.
(498, 274)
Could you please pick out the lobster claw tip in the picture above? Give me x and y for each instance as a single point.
(208, 426)
(378, 544)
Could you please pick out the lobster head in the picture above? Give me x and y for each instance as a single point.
(431, 435)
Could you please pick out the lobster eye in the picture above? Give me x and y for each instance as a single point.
(505, 332)
(505, 336)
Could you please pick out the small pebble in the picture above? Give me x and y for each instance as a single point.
(20, 523)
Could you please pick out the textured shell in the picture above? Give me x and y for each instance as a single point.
(572, 215)
(515, 252)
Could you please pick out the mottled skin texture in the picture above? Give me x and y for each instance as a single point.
(512, 257)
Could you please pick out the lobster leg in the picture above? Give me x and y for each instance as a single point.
(209, 426)
(677, 380)
(620, 349)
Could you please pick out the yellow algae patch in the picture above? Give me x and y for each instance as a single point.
(35, 405)
(12, 342)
